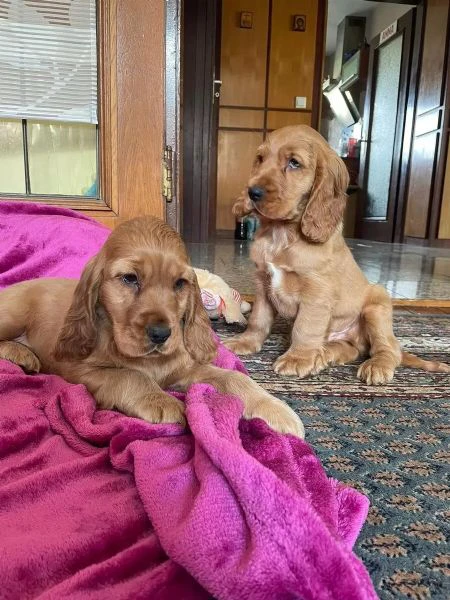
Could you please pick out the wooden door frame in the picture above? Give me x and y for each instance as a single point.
(131, 84)
(390, 228)
(408, 132)
(130, 39)
(172, 109)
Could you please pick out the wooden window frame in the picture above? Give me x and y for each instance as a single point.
(131, 55)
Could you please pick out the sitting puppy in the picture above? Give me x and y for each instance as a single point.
(133, 325)
(304, 269)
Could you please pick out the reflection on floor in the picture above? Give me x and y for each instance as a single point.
(406, 271)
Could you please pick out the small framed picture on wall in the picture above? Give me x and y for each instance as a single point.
(246, 20)
(299, 23)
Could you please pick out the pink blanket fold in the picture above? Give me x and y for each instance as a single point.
(97, 505)
(45, 241)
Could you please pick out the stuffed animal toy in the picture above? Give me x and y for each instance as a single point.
(220, 299)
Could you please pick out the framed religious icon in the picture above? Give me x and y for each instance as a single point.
(299, 23)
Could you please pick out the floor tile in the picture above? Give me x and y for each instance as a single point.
(413, 272)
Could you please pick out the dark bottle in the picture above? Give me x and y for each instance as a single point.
(240, 232)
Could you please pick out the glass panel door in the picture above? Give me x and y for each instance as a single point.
(384, 119)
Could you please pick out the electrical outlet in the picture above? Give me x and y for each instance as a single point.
(300, 101)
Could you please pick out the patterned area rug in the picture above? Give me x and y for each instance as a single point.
(390, 442)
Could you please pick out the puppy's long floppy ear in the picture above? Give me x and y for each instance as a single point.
(242, 206)
(78, 334)
(326, 204)
(198, 338)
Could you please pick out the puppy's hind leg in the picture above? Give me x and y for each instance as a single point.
(338, 352)
(20, 355)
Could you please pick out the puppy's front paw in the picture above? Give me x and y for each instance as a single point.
(375, 371)
(278, 415)
(162, 408)
(242, 344)
(296, 363)
(20, 355)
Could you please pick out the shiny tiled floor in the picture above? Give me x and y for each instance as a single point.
(412, 272)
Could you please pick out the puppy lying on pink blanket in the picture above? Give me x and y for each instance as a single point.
(132, 326)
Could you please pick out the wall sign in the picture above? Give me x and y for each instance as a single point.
(388, 32)
(299, 23)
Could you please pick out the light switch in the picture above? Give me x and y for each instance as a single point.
(300, 102)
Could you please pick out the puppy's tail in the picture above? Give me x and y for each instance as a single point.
(410, 360)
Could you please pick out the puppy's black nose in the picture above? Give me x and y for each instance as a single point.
(256, 193)
(158, 333)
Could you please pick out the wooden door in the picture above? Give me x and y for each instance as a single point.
(428, 200)
(443, 174)
(382, 147)
(131, 61)
(201, 92)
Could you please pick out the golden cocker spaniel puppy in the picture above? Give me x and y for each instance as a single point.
(132, 326)
(305, 270)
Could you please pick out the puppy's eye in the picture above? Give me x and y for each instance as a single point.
(293, 164)
(258, 159)
(130, 279)
(179, 284)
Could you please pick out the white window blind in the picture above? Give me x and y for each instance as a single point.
(48, 60)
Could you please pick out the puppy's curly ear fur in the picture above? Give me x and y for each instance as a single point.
(78, 334)
(242, 206)
(326, 205)
(198, 336)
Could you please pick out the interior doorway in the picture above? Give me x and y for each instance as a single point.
(385, 143)
(370, 85)
(237, 85)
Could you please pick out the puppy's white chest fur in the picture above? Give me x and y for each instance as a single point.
(267, 254)
(276, 275)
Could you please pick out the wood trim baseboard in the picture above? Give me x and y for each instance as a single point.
(321, 26)
(420, 303)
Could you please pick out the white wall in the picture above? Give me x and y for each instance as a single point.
(382, 17)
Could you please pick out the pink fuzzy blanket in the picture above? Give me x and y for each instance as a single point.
(96, 505)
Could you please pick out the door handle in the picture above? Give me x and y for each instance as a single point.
(216, 87)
